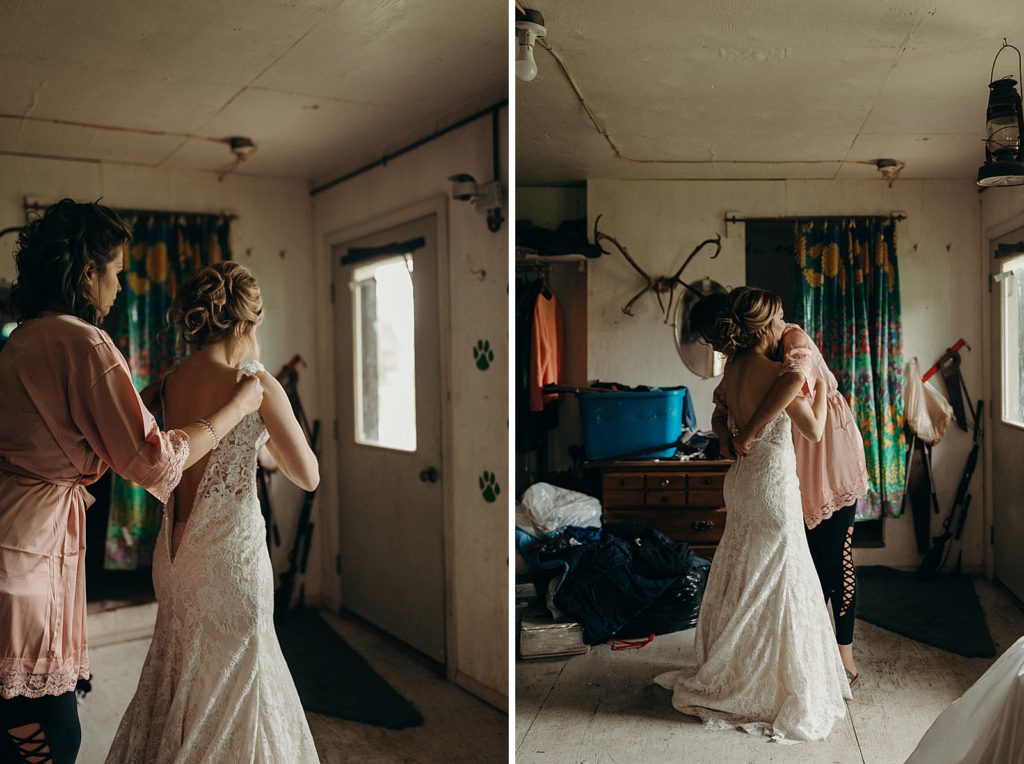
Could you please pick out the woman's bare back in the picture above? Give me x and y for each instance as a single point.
(747, 380)
(191, 391)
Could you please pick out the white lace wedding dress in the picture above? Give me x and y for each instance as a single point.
(215, 685)
(765, 657)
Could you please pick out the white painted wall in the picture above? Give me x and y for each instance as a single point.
(661, 221)
(272, 237)
(478, 431)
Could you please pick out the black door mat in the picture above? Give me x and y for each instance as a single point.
(944, 613)
(334, 679)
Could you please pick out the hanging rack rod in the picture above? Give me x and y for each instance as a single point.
(538, 263)
(799, 218)
(532, 257)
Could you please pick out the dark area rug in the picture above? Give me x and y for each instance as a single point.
(333, 679)
(944, 613)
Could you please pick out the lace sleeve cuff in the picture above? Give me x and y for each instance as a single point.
(179, 445)
(801, 360)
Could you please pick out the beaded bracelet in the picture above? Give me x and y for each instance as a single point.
(213, 433)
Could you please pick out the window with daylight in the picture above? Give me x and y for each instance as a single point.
(1011, 280)
(384, 340)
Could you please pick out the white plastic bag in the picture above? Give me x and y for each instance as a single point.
(928, 413)
(548, 508)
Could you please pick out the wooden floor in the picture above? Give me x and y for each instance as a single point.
(458, 727)
(602, 707)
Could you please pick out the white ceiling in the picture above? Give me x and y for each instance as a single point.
(323, 87)
(801, 89)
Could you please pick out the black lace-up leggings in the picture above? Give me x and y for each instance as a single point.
(831, 544)
(40, 730)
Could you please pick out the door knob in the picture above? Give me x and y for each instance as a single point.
(429, 475)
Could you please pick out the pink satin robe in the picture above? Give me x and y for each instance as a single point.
(68, 411)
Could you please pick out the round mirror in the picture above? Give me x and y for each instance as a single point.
(697, 354)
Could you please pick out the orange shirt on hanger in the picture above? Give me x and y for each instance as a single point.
(545, 350)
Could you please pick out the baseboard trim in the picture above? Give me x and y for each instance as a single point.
(482, 691)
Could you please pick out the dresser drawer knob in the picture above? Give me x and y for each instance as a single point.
(703, 525)
(665, 482)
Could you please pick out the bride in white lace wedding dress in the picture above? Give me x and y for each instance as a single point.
(765, 657)
(215, 685)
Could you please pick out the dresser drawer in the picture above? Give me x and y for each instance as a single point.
(623, 498)
(656, 482)
(698, 526)
(694, 526)
(619, 481)
(707, 552)
(665, 498)
(683, 500)
(706, 490)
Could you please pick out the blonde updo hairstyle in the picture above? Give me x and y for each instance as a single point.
(218, 302)
(743, 320)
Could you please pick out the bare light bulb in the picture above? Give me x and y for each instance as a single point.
(529, 26)
(526, 66)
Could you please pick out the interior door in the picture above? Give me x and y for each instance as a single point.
(1007, 431)
(389, 433)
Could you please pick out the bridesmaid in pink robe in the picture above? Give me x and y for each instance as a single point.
(68, 411)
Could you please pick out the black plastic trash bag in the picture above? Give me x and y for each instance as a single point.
(678, 606)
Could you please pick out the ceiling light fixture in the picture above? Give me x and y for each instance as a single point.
(242, 148)
(890, 168)
(529, 26)
(1004, 163)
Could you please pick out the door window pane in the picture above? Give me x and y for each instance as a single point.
(384, 340)
(1012, 280)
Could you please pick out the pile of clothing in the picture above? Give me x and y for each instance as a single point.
(625, 580)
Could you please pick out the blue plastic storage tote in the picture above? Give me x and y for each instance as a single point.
(617, 423)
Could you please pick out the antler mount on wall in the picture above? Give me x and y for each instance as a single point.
(660, 285)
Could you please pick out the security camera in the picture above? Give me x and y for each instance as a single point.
(463, 187)
(488, 198)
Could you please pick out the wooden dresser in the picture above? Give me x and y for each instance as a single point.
(681, 499)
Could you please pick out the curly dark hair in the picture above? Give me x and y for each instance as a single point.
(52, 252)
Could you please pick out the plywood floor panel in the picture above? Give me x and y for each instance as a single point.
(603, 707)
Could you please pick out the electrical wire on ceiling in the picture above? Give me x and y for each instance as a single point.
(242, 148)
(882, 165)
(112, 128)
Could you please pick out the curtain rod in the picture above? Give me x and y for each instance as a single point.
(415, 145)
(359, 254)
(798, 218)
(37, 207)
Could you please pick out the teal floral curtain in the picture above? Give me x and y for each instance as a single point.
(851, 308)
(165, 248)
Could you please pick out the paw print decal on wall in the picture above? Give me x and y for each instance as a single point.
(483, 355)
(489, 486)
